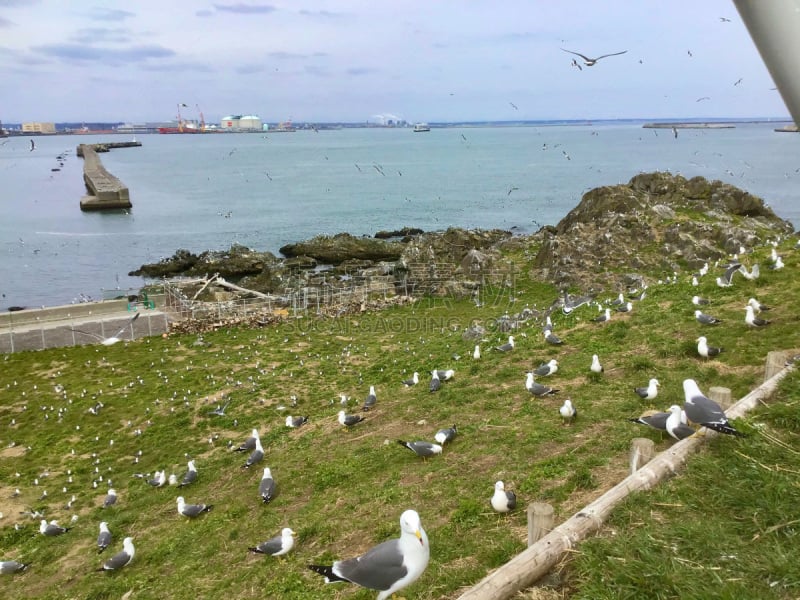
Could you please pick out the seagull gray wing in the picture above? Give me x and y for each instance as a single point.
(190, 477)
(656, 421)
(266, 489)
(378, 569)
(612, 54)
(128, 324)
(271, 546)
(119, 560)
(586, 58)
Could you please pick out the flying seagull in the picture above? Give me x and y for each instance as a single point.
(104, 538)
(267, 487)
(192, 510)
(674, 426)
(33, 146)
(387, 567)
(649, 392)
(423, 449)
(704, 411)
(220, 410)
(706, 351)
(278, 545)
(446, 435)
(122, 558)
(726, 280)
(503, 500)
(110, 341)
(591, 61)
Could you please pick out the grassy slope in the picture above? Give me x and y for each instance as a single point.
(343, 491)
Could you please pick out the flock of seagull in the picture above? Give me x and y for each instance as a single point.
(397, 563)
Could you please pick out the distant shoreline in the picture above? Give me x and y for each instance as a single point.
(683, 125)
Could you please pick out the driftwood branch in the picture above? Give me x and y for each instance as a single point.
(231, 286)
(528, 566)
(205, 285)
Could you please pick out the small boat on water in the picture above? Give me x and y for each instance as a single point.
(421, 127)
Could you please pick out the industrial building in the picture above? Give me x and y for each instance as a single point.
(241, 123)
(38, 127)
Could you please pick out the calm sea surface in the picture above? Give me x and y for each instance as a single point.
(265, 190)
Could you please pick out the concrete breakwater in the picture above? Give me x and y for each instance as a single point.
(105, 191)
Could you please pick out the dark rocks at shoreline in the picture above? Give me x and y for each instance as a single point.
(333, 250)
(234, 263)
(405, 234)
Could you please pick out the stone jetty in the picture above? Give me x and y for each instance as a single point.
(104, 190)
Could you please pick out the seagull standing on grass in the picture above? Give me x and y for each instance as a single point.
(706, 319)
(278, 545)
(596, 366)
(122, 558)
(349, 420)
(537, 389)
(255, 456)
(508, 346)
(435, 382)
(267, 487)
(249, 443)
(547, 368)
(388, 567)
(104, 538)
(706, 351)
(568, 412)
(446, 435)
(190, 476)
(650, 392)
(503, 500)
(192, 510)
(752, 320)
(413, 381)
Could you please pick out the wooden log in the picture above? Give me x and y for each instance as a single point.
(231, 286)
(528, 566)
(205, 285)
(541, 518)
(776, 360)
(642, 452)
(721, 395)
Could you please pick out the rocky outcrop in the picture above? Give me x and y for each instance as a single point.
(235, 263)
(657, 222)
(335, 249)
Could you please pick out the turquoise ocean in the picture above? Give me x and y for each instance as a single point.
(263, 190)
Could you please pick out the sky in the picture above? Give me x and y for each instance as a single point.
(373, 60)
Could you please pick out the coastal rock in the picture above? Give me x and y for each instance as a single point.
(338, 248)
(405, 233)
(658, 221)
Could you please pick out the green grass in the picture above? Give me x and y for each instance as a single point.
(343, 490)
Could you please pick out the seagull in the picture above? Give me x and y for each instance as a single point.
(278, 545)
(606, 316)
(445, 374)
(52, 528)
(726, 280)
(704, 411)
(503, 500)
(508, 346)
(122, 558)
(551, 338)
(159, 479)
(249, 443)
(752, 320)
(706, 351)
(349, 420)
(589, 62)
(190, 476)
(547, 368)
(114, 338)
(706, 319)
(656, 420)
(387, 567)
(537, 389)
(757, 306)
(675, 426)
(627, 307)
(596, 366)
(371, 399)
(33, 146)
(104, 538)
(7, 567)
(435, 381)
(567, 411)
(574, 63)
(751, 275)
(192, 510)
(111, 498)
(698, 301)
(413, 381)
(446, 435)
(423, 449)
(266, 489)
(220, 410)
(476, 353)
(649, 392)
(255, 456)
(295, 422)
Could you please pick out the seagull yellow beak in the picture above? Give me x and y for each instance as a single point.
(419, 537)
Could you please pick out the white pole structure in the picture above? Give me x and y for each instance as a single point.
(774, 26)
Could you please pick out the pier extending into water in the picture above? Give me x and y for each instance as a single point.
(104, 190)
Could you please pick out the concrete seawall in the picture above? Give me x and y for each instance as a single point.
(104, 190)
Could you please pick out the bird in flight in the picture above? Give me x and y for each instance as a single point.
(591, 61)
(703, 98)
(514, 106)
(574, 63)
(738, 81)
(724, 20)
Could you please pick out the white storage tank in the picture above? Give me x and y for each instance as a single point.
(250, 123)
(231, 122)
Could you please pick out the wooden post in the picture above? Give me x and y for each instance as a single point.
(528, 566)
(541, 519)
(776, 360)
(721, 395)
(642, 451)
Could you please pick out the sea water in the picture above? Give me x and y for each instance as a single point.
(264, 190)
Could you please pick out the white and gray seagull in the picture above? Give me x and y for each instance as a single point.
(590, 62)
(191, 510)
(267, 486)
(503, 500)
(649, 392)
(278, 545)
(704, 411)
(389, 566)
(122, 558)
(103, 538)
(110, 341)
